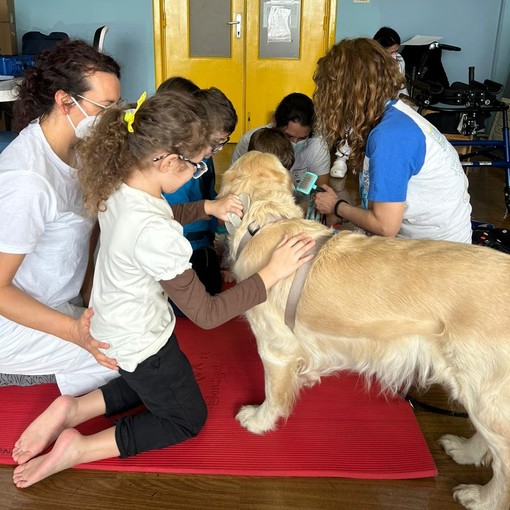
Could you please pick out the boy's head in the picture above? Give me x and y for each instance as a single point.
(275, 142)
(178, 84)
(221, 114)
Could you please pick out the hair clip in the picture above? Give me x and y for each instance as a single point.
(129, 115)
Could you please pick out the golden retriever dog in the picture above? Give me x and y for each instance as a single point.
(403, 311)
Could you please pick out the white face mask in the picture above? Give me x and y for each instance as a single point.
(299, 146)
(84, 127)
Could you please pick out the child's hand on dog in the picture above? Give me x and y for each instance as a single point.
(221, 207)
(287, 258)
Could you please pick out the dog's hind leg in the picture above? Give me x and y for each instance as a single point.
(282, 385)
(467, 451)
(492, 427)
(493, 496)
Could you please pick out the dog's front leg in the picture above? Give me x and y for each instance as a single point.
(281, 387)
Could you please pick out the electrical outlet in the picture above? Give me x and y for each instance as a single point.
(360, 1)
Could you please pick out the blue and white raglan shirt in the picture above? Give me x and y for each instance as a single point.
(409, 160)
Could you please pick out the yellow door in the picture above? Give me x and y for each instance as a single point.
(246, 67)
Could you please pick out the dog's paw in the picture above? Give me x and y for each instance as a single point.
(466, 451)
(253, 419)
(472, 498)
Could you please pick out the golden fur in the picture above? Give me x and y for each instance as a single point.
(403, 311)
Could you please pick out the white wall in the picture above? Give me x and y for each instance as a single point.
(129, 39)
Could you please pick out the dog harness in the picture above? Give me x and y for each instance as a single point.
(299, 276)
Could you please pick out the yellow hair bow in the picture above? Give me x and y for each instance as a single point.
(129, 116)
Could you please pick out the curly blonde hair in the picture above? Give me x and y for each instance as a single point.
(165, 123)
(353, 82)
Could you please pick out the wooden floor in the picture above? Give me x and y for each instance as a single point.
(87, 490)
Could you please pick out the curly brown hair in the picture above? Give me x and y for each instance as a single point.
(173, 123)
(354, 80)
(66, 67)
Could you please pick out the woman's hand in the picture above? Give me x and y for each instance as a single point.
(80, 335)
(287, 258)
(325, 201)
(222, 206)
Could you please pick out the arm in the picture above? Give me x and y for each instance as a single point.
(189, 212)
(189, 294)
(207, 311)
(203, 209)
(382, 218)
(21, 308)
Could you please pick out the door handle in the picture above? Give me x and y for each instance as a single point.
(237, 23)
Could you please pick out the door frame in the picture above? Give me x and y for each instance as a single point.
(159, 22)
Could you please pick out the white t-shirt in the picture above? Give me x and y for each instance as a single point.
(140, 245)
(42, 216)
(409, 160)
(314, 157)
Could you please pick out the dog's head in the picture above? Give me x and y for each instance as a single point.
(269, 192)
(257, 174)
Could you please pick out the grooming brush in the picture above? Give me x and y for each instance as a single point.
(307, 184)
(234, 222)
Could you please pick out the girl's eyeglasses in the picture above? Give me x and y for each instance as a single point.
(200, 167)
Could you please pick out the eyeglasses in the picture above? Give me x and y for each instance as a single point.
(120, 102)
(220, 145)
(200, 167)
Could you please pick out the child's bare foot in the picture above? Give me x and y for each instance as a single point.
(65, 454)
(43, 430)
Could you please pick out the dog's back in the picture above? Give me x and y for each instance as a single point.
(399, 310)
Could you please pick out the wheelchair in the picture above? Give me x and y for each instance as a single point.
(459, 108)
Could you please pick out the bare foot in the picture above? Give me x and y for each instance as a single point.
(43, 430)
(65, 454)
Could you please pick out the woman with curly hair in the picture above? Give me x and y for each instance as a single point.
(125, 166)
(44, 228)
(412, 184)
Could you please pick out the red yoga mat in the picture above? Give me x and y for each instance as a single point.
(338, 428)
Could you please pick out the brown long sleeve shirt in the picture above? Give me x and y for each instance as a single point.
(189, 294)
